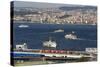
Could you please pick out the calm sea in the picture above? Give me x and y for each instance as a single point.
(35, 34)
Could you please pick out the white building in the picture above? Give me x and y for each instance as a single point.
(21, 46)
(91, 50)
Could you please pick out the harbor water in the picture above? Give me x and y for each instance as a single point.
(35, 34)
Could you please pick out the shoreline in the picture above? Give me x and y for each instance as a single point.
(30, 22)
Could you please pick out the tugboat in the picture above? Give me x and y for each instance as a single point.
(50, 44)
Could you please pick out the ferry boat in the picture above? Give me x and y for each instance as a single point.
(23, 26)
(50, 43)
(59, 30)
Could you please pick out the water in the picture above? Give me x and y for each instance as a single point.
(36, 34)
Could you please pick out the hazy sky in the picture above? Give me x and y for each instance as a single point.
(39, 5)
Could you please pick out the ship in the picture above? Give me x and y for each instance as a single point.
(23, 26)
(59, 30)
(71, 36)
(50, 44)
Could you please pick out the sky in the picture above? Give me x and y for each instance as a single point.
(40, 4)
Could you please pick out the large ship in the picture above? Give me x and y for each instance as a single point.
(50, 43)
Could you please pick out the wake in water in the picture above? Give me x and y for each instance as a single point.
(85, 39)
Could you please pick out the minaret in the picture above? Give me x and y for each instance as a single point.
(81, 19)
(41, 20)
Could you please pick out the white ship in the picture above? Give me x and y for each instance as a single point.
(50, 43)
(23, 26)
(71, 36)
(59, 30)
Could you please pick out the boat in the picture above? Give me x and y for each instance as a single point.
(59, 30)
(71, 36)
(23, 26)
(50, 43)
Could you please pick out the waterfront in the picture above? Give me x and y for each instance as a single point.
(37, 57)
(55, 13)
(66, 50)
